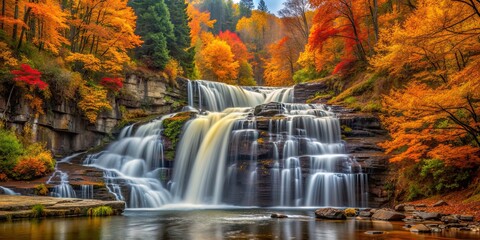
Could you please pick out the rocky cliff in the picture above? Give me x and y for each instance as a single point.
(65, 130)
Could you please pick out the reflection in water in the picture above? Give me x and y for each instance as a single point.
(210, 224)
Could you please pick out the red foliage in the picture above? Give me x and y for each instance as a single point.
(114, 84)
(343, 65)
(238, 47)
(29, 76)
(29, 168)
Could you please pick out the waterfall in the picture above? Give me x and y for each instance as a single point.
(8, 191)
(230, 154)
(63, 188)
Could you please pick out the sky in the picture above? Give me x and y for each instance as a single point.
(273, 5)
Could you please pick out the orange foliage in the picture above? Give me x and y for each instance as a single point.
(278, 68)
(199, 22)
(93, 101)
(218, 62)
(29, 168)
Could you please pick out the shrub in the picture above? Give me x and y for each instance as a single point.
(37, 162)
(350, 212)
(38, 210)
(41, 190)
(100, 211)
(29, 168)
(10, 150)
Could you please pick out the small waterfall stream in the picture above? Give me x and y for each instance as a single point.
(230, 154)
(7, 191)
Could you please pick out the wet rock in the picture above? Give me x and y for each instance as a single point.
(400, 208)
(466, 218)
(440, 203)
(365, 213)
(330, 213)
(420, 228)
(409, 208)
(428, 215)
(450, 219)
(270, 109)
(388, 215)
(374, 232)
(278, 215)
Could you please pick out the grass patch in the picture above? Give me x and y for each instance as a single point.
(38, 210)
(101, 211)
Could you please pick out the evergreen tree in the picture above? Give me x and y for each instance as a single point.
(262, 6)
(246, 7)
(223, 12)
(156, 30)
(180, 49)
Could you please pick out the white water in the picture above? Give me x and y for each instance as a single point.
(8, 191)
(302, 157)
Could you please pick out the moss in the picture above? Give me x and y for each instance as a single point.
(372, 107)
(172, 127)
(346, 129)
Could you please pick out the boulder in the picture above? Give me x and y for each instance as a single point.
(388, 215)
(440, 203)
(449, 219)
(278, 215)
(400, 208)
(409, 208)
(466, 218)
(365, 213)
(420, 228)
(270, 109)
(428, 215)
(330, 213)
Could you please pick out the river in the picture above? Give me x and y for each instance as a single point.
(239, 223)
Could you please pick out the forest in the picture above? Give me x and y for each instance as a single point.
(415, 63)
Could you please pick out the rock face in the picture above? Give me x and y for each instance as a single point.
(330, 213)
(362, 134)
(388, 215)
(65, 130)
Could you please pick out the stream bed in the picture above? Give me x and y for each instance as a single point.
(238, 223)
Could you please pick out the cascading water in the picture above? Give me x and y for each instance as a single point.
(8, 191)
(231, 153)
(63, 189)
(135, 160)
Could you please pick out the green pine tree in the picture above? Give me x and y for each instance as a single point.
(156, 30)
(262, 6)
(180, 49)
(246, 7)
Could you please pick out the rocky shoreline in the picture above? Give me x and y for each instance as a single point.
(27, 207)
(416, 218)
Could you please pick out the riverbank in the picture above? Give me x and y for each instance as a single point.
(22, 207)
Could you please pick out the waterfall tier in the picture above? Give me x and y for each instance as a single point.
(247, 146)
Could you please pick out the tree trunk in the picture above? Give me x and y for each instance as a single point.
(25, 19)
(3, 13)
(15, 26)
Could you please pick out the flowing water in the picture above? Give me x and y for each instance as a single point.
(7, 191)
(229, 155)
(212, 224)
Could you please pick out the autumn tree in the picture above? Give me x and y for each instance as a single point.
(436, 114)
(218, 62)
(241, 55)
(199, 22)
(279, 67)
